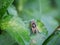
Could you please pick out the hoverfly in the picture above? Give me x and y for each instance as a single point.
(33, 26)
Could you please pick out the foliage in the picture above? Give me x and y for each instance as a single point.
(15, 17)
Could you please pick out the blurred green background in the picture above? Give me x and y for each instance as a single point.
(15, 17)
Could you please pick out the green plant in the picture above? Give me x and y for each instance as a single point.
(15, 17)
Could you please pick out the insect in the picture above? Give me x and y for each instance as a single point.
(33, 27)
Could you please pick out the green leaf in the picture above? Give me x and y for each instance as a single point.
(41, 10)
(20, 4)
(16, 28)
(4, 4)
(12, 10)
(28, 10)
(53, 39)
(41, 27)
(6, 39)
